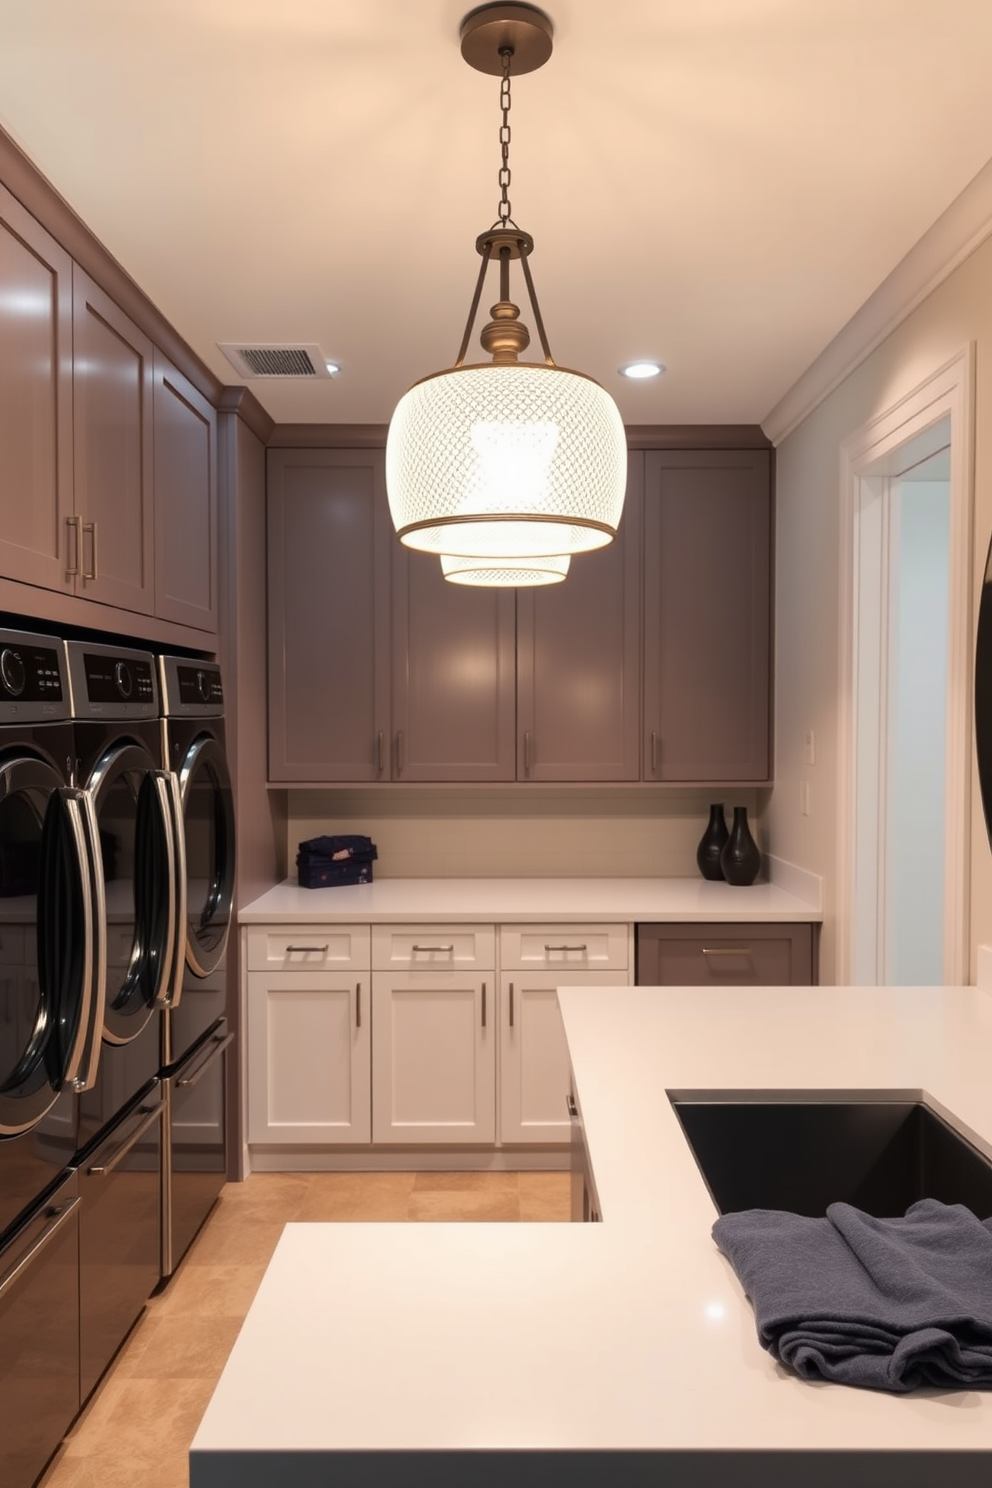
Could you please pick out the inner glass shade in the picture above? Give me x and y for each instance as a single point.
(506, 461)
(505, 573)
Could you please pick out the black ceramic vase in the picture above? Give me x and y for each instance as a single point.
(711, 844)
(740, 858)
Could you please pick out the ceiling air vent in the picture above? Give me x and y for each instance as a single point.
(276, 361)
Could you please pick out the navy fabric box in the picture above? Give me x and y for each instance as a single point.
(324, 862)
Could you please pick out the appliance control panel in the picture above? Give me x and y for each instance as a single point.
(111, 681)
(32, 678)
(191, 689)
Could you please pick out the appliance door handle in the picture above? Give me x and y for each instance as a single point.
(145, 1116)
(84, 836)
(56, 1220)
(726, 950)
(172, 802)
(164, 790)
(219, 1043)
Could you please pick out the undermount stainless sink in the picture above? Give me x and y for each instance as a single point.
(880, 1154)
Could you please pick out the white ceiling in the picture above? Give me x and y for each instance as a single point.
(716, 183)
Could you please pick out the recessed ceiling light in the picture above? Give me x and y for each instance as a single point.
(639, 370)
(333, 367)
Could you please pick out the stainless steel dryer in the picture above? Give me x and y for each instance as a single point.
(135, 804)
(51, 956)
(196, 1027)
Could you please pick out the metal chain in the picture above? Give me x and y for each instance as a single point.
(504, 138)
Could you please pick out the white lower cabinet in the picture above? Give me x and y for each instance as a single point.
(309, 1057)
(427, 1035)
(534, 1069)
(433, 1057)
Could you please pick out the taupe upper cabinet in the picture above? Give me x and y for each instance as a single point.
(453, 671)
(329, 548)
(112, 424)
(185, 490)
(578, 662)
(35, 400)
(707, 640)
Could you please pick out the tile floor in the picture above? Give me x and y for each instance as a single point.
(138, 1425)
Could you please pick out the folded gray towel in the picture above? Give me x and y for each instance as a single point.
(886, 1304)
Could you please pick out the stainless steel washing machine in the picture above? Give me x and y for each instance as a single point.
(196, 1026)
(51, 981)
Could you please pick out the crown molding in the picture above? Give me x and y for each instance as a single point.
(955, 235)
(242, 402)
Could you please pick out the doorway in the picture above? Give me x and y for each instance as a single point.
(905, 750)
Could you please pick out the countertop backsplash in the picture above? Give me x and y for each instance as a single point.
(523, 832)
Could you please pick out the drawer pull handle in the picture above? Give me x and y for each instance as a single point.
(306, 949)
(448, 949)
(550, 948)
(726, 950)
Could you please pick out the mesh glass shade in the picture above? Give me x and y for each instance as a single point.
(504, 573)
(508, 461)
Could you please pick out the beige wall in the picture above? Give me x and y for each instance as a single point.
(575, 833)
(808, 538)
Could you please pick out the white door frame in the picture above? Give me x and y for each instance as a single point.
(947, 393)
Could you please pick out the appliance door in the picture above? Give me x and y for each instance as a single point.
(39, 1336)
(208, 838)
(136, 809)
(196, 1099)
(119, 1231)
(49, 1026)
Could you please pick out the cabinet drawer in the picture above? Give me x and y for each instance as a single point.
(725, 955)
(576, 947)
(433, 947)
(309, 948)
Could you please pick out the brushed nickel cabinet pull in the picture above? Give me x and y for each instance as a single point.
(550, 948)
(322, 948)
(358, 1004)
(654, 750)
(75, 526)
(91, 572)
(483, 1004)
(399, 751)
(379, 755)
(511, 1004)
(448, 949)
(526, 751)
(726, 950)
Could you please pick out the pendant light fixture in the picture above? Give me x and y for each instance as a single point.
(505, 573)
(506, 460)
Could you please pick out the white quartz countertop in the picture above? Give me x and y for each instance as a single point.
(440, 1348)
(503, 900)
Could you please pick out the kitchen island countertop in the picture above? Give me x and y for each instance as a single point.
(527, 900)
(416, 1354)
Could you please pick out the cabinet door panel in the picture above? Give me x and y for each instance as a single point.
(434, 1058)
(454, 680)
(308, 1058)
(578, 663)
(534, 1066)
(112, 400)
(707, 526)
(185, 457)
(35, 400)
(329, 548)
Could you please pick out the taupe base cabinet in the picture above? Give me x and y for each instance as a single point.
(729, 955)
(431, 1037)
